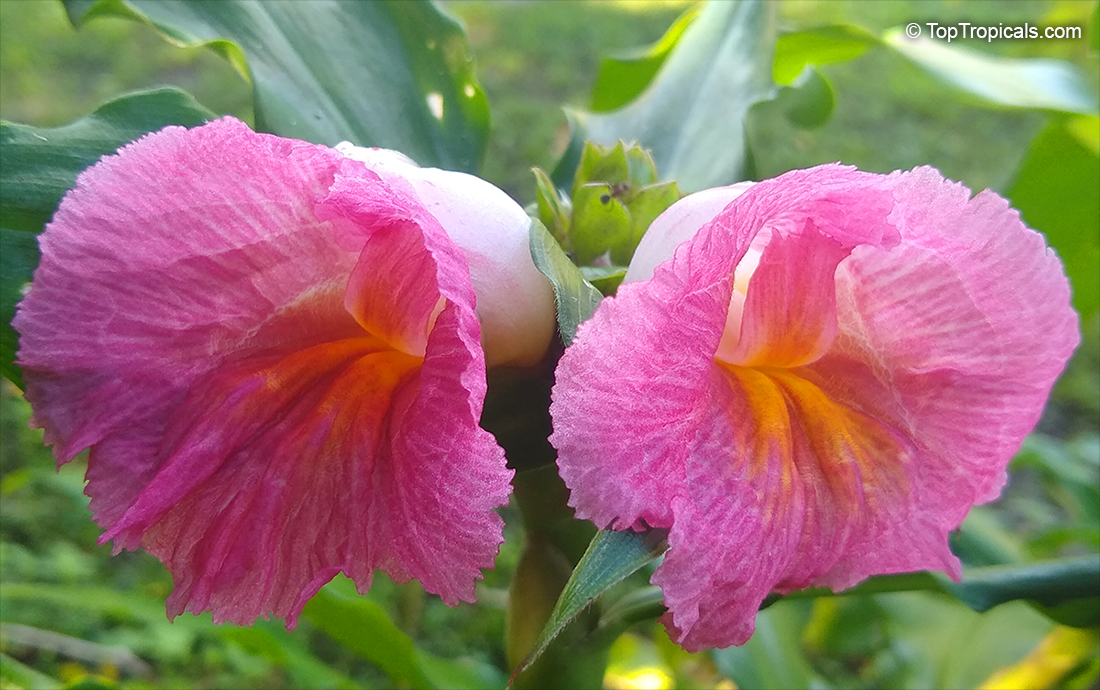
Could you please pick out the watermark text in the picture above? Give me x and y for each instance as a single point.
(967, 30)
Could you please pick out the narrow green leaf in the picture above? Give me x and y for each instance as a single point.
(611, 557)
(1057, 191)
(41, 165)
(396, 74)
(16, 674)
(1054, 586)
(1049, 583)
(623, 77)
(1014, 82)
(575, 297)
(818, 46)
(555, 211)
(692, 114)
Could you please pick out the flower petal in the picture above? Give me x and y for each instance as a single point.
(886, 364)
(246, 427)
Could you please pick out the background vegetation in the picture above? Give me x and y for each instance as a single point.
(106, 613)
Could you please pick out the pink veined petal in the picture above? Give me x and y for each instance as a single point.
(245, 427)
(888, 368)
(789, 316)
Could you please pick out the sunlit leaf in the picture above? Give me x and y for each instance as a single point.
(818, 46)
(395, 74)
(623, 77)
(41, 164)
(692, 114)
(1015, 82)
(1057, 191)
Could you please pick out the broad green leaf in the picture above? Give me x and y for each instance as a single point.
(818, 46)
(611, 557)
(41, 165)
(366, 629)
(18, 259)
(1057, 191)
(691, 116)
(623, 77)
(1014, 82)
(772, 659)
(575, 297)
(286, 650)
(949, 646)
(395, 74)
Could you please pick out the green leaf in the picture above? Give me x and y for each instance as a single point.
(395, 74)
(41, 165)
(611, 557)
(809, 101)
(622, 78)
(606, 279)
(818, 46)
(691, 116)
(365, 628)
(1057, 191)
(287, 651)
(554, 209)
(773, 658)
(1013, 82)
(19, 675)
(575, 297)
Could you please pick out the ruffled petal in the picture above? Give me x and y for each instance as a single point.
(280, 377)
(886, 364)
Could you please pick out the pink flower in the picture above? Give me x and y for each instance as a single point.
(274, 353)
(829, 372)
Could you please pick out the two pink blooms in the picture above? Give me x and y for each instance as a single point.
(276, 352)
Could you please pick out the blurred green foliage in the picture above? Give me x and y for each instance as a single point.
(533, 57)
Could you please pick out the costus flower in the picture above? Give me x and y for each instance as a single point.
(812, 381)
(276, 352)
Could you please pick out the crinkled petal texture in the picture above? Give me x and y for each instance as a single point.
(275, 359)
(895, 343)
